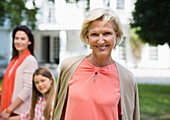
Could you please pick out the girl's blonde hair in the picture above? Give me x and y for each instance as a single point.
(106, 15)
(50, 95)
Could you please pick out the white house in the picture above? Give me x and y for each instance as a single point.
(65, 28)
(58, 29)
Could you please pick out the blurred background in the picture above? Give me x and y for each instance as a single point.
(56, 26)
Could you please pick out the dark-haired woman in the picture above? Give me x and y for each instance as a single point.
(17, 81)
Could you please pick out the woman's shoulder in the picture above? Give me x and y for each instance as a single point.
(30, 58)
(122, 68)
(125, 73)
(71, 60)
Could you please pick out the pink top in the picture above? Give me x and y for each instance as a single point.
(39, 109)
(93, 93)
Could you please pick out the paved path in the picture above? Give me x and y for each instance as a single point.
(152, 76)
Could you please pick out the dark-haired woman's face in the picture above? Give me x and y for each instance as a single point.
(21, 41)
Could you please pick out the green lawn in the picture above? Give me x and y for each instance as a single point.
(154, 101)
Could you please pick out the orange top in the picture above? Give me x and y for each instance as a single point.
(94, 93)
(9, 79)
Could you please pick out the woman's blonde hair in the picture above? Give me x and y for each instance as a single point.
(50, 95)
(106, 15)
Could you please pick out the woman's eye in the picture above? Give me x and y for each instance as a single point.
(107, 33)
(22, 38)
(16, 38)
(94, 34)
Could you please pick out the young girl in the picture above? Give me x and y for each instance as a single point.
(42, 97)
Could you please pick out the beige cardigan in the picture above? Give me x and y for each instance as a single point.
(23, 83)
(128, 89)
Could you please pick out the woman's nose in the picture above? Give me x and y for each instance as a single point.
(100, 40)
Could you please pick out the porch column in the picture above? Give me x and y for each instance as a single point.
(63, 45)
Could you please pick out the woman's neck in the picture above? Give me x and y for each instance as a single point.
(100, 62)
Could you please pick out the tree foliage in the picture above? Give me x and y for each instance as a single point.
(2, 11)
(136, 44)
(15, 12)
(152, 18)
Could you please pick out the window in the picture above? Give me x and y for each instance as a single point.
(51, 15)
(120, 4)
(122, 50)
(153, 53)
(106, 3)
(56, 50)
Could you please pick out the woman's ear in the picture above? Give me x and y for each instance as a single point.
(117, 36)
(87, 37)
(115, 43)
(29, 43)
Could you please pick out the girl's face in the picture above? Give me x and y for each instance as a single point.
(101, 38)
(21, 41)
(42, 84)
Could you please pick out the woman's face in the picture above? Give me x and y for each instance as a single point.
(101, 38)
(21, 41)
(42, 84)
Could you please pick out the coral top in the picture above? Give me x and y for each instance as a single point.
(94, 93)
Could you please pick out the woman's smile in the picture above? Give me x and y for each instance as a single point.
(102, 47)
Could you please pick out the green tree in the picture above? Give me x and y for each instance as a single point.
(136, 44)
(2, 11)
(152, 18)
(16, 13)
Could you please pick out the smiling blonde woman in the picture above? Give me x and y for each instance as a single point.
(96, 87)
